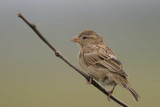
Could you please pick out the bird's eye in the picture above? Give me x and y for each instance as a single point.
(84, 37)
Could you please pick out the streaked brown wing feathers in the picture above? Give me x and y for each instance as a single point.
(103, 57)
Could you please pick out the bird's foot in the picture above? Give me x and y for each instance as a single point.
(90, 81)
(109, 94)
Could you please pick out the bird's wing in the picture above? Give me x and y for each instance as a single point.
(104, 57)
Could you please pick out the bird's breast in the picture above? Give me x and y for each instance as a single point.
(103, 75)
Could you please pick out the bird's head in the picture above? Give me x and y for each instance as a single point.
(88, 37)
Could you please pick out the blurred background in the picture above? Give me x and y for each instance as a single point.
(31, 75)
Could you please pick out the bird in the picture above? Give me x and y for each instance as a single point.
(101, 63)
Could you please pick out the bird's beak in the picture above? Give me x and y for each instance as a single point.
(76, 39)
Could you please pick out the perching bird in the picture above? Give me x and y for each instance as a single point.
(100, 62)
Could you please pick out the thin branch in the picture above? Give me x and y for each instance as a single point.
(58, 54)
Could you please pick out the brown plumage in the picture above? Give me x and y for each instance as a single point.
(100, 62)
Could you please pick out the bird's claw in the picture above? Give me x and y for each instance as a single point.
(109, 94)
(90, 81)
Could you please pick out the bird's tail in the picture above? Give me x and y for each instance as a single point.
(132, 91)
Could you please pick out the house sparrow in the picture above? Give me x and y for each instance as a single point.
(100, 62)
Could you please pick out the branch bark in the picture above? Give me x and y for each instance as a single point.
(58, 54)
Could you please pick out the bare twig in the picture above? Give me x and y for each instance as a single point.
(58, 54)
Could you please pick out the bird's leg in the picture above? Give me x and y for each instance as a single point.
(110, 92)
(90, 80)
